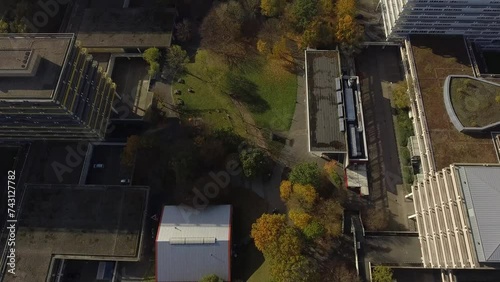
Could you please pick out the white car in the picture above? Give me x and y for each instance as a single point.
(125, 181)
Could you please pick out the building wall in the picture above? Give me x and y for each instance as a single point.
(479, 20)
(80, 108)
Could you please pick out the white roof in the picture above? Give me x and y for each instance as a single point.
(192, 243)
(357, 178)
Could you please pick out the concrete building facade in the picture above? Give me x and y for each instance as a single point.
(51, 89)
(478, 20)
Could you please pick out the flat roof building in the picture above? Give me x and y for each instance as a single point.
(50, 88)
(457, 216)
(126, 28)
(478, 20)
(66, 222)
(191, 244)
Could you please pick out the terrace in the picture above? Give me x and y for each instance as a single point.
(473, 104)
(435, 59)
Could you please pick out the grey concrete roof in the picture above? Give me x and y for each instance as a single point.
(322, 67)
(33, 75)
(481, 188)
(81, 222)
(127, 28)
(193, 243)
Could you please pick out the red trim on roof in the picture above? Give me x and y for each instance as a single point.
(230, 240)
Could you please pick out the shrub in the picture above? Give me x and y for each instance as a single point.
(211, 278)
(405, 156)
(405, 127)
(305, 173)
(314, 230)
(381, 274)
(407, 175)
(331, 168)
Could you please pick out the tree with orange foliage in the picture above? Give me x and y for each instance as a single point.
(285, 190)
(267, 229)
(348, 32)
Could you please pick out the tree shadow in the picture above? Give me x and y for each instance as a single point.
(246, 91)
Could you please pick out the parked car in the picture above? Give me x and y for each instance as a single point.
(98, 165)
(125, 181)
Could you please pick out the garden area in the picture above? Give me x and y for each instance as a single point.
(404, 129)
(475, 102)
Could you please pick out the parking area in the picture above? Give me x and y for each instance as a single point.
(379, 68)
(105, 165)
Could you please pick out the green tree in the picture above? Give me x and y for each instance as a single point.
(151, 55)
(400, 95)
(175, 61)
(298, 268)
(4, 26)
(314, 230)
(272, 8)
(253, 161)
(303, 11)
(211, 278)
(306, 173)
(382, 274)
(154, 68)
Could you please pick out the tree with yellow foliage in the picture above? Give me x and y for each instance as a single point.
(285, 190)
(272, 8)
(348, 31)
(267, 229)
(299, 218)
(345, 7)
(306, 193)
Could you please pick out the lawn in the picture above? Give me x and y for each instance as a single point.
(474, 101)
(278, 88)
(268, 91)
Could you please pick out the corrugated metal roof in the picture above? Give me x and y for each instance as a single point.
(193, 243)
(481, 187)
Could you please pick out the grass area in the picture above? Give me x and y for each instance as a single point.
(262, 274)
(474, 101)
(268, 91)
(435, 59)
(278, 88)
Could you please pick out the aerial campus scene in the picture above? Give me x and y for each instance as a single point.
(250, 140)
